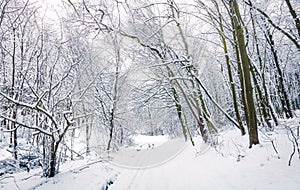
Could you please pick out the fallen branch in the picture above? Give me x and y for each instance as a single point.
(294, 140)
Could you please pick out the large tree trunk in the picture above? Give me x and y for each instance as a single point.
(232, 84)
(250, 105)
(52, 164)
(239, 68)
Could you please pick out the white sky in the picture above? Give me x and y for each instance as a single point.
(49, 8)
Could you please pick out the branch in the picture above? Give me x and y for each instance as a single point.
(24, 125)
(3, 12)
(214, 102)
(142, 43)
(69, 123)
(73, 6)
(274, 25)
(295, 144)
(85, 90)
(34, 107)
(41, 97)
(196, 78)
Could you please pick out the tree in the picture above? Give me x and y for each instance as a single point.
(250, 109)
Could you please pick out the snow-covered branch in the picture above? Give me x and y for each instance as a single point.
(32, 106)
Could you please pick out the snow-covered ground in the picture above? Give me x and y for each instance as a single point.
(230, 166)
(148, 152)
(163, 163)
(77, 175)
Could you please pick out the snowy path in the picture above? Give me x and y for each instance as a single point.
(193, 171)
(152, 156)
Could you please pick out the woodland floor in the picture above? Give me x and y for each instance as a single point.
(162, 163)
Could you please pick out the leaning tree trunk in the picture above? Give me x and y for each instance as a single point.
(198, 117)
(179, 112)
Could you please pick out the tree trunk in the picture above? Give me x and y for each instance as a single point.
(14, 136)
(281, 86)
(240, 70)
(197, 116)
(72, 143)
(114, 98)
(210, 125)
(111, 131)
(264, 100)
(250, 105)
(87, 136)
(52, 164)
(232, 84)
(179, 112)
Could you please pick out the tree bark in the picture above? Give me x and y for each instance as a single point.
(179, 112)
(232, 84)
(52, 164)
(250, 105)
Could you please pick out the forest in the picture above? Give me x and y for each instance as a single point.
(95, 72)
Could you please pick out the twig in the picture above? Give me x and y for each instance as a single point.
(37, 174)
(291, 156)
(16, 183)
(272, 142)
(294, 140)
(2, 178)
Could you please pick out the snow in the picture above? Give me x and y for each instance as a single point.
(230, 166)
(76, 175)
(144, 141)
(154, 155)
(4, 154)
(174, 164)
